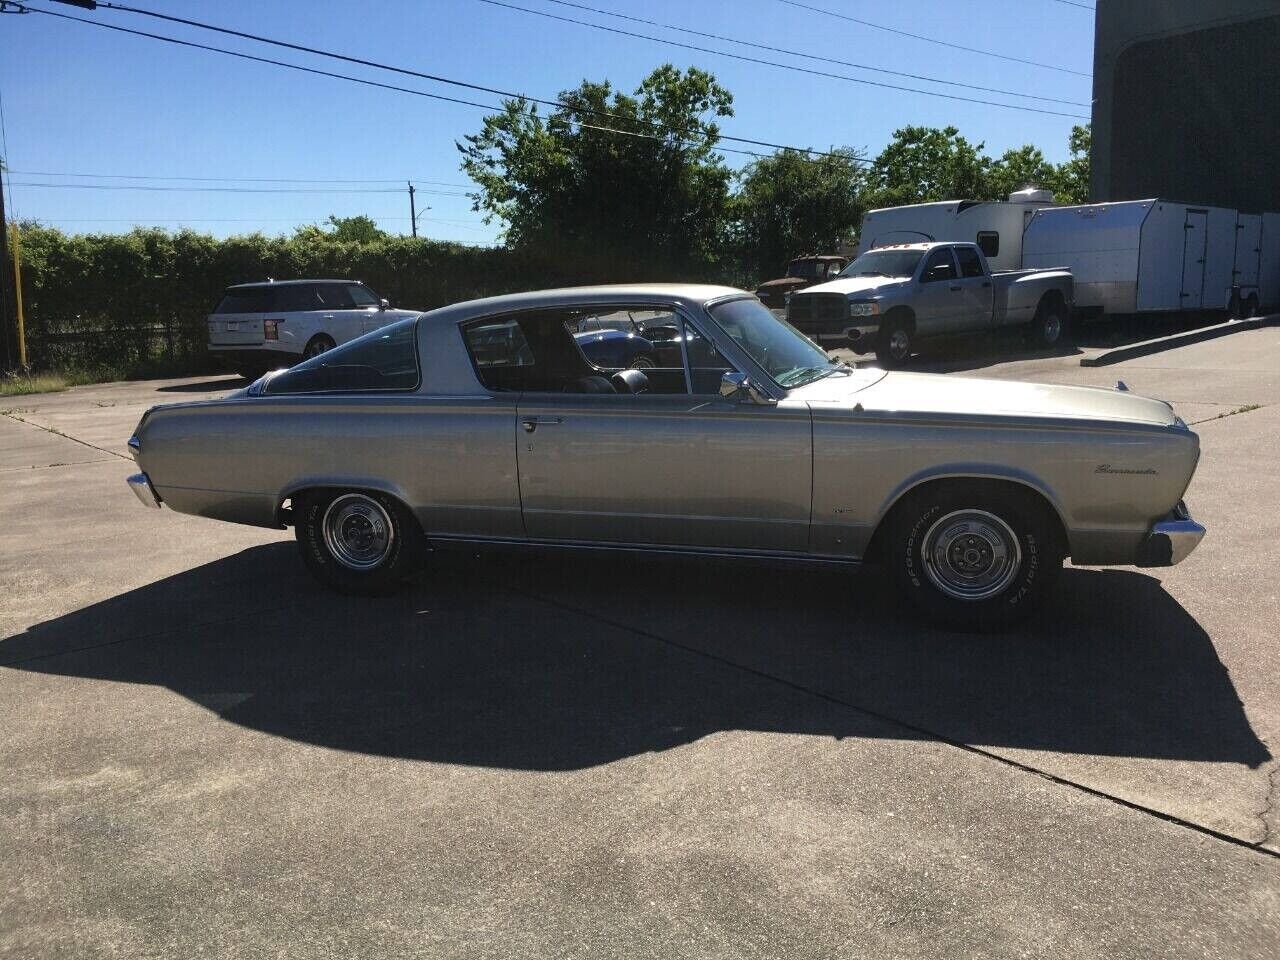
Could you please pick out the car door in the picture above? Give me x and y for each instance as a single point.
(677, 468)
(939, 301)
(369, 308)
(339, 317)
(975, 291)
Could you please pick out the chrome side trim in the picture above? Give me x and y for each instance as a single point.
(453, 542)
(140, 484)
(1171, 540)
(135, 446)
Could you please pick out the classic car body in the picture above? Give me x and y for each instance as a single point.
(801, 272)
(727, 454)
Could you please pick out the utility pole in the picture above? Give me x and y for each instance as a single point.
(413, 213)
(8, 326)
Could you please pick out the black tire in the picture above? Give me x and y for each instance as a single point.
(1235, 308)
(967, 527)
(317, 345)
(895, 342)
(335, 558)
(1251, 308)
(1049, 327)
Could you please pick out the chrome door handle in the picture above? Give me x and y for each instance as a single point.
(532, 423)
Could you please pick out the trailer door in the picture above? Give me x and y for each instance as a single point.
(1248, 251)
(1194, 249)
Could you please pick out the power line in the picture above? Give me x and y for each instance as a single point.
(662, 138)
(792, 53)
(146, 176)
(785, 66)
(941, 43)
(1082, 6)
(153, 188)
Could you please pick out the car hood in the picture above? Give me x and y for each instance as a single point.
(852, 285)
(782, 282)
(925, 393)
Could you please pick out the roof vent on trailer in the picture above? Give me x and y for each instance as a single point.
(1031, 195)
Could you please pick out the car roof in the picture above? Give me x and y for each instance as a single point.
(282, 283)
(923, 245)
(686, 294)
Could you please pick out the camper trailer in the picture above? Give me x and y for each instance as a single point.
(995, 226)
(1142, 256)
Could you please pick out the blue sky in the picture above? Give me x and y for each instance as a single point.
(80, 99)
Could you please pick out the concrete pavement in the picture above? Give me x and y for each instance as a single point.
(207, 754)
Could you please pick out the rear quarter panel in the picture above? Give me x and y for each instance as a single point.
(450, 460)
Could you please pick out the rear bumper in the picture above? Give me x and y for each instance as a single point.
(1170, 540)
(140, 484)
(235, 358)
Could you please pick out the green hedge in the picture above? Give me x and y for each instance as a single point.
(135, 298)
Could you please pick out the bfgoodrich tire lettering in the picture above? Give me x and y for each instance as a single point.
(968, 554)
(357, 541)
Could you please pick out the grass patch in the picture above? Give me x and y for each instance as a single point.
(53, 381)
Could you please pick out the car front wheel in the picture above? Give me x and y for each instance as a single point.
(357, 541)
(968, 555)
(894, 344)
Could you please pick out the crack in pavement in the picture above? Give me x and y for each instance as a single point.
(1246, 408)
(914, 728)
(1264, 815)
(66, 436)
(49, 466)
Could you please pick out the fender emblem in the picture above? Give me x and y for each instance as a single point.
(1108, 468)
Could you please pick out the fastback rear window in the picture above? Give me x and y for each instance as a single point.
(386, 359)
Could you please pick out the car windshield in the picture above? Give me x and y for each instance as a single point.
(787, 355)
(884, 263)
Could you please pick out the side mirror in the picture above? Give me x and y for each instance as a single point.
(384, 304)
(736, 386)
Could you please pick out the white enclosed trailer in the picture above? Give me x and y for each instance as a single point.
(1142, 256)
(995, 226)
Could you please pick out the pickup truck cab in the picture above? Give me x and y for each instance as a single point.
(890, 298)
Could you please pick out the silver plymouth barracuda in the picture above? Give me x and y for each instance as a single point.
(484, 423)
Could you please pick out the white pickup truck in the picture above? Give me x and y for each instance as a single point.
(890, 298)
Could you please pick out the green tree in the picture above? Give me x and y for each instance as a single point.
(1071, 179)
(619, 206)
(923, 164)
(1018, 168)
(791, 203)
(358, 229)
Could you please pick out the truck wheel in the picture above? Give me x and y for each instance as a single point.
(973, 555)
(317, 345)
(1251, 306)
(642, 361)
(1047, 328)
(357, 541)
(894, 345)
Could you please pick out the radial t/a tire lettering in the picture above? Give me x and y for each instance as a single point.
(360, 542)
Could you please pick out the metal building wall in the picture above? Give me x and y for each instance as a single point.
(1187, 102)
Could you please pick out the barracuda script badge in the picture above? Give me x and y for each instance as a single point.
(1108, 468)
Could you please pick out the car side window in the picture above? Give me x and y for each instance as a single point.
(939, 265)
(970, 262)
(245, 300)
(296, 297)
(386, 359)
(706, 364)
(362, 296)
(989, 243)
(334, 296)
(614, 350)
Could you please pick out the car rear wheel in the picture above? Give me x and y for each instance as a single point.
(973, 555)
(1048, 327)
(643, 362)
(357, 541)
(317, 345)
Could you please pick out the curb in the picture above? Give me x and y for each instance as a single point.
(1160, 344)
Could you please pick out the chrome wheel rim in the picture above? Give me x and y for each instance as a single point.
(971, 555)
(641, 363)
(899, 344)
(315, 349)
(1052, 328)
(358, 531)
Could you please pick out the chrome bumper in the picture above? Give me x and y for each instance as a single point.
(1171, 540)
(140, 484)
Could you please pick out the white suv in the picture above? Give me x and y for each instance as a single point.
(258, 327)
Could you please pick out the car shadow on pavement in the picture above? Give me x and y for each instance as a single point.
(206, 386)
(528, 662)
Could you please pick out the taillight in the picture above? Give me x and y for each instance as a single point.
(271, 329)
